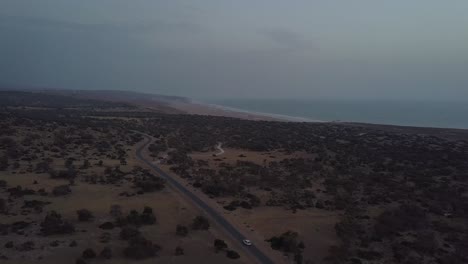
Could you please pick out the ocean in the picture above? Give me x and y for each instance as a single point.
(405, 113)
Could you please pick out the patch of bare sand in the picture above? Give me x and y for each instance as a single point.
(204, 109)
(231, 156)
(315, 227)
(168, 207)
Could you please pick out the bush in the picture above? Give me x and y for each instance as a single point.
(287, 242)
(3, 206)
(84, 215)
(80, 261)
(147, 217)
(107, 225)
(106, 253)
(232, 254)
(136, 219)
(89, 254)
(179, 251)
(53, 224)
(116, 211)
(141, 248)
(129, 232)
(200, 223)
(220, 245)
(3, 163)
(181, 230)
(150, 184)
(65, 174)
(61, 190)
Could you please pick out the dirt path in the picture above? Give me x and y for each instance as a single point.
(220, 149)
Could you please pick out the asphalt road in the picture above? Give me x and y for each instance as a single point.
(253, 250)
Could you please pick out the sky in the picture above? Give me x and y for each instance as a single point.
(308, 49)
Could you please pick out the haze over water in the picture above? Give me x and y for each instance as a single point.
(406, 113)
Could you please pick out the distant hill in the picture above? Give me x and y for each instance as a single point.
(45, 100)
(37, 96)
(118, 95)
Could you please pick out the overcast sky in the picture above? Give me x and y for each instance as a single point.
(396, 49)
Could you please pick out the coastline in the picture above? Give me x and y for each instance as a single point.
(201, 108)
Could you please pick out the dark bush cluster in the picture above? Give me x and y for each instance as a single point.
(53, 224)
(200, 223)
(134, 218)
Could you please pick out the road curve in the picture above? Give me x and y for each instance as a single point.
(253, 250)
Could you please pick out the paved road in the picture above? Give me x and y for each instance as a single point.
(253, 250)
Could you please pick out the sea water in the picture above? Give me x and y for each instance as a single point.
(406, 113)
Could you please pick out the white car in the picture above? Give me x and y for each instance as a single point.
(247, 242)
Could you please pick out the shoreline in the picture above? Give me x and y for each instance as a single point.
(201, 108)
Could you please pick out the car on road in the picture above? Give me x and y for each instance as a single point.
(247, 242)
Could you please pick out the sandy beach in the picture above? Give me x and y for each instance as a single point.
(199, 108)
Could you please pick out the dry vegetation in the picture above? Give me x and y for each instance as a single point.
(319, 193)
(396, 197)
(72, 191)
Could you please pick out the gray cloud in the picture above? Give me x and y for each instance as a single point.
(263, 48)
(287, 39)
(135, 27)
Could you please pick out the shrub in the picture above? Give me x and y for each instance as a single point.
(106, 253)
(287, 242)
(53, 224)
(150, 184)
(61, 190)
(129, 232)
(136, 219)
(80, 261)
(232, 254)
(200, 223)
(3, 163)
(88, 254)
(84, 215)
(179, 251)
(181, 230)
(107, 225)
(116, 211)
(220, 245)
(141, 248)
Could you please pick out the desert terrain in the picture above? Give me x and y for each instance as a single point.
(73, 190)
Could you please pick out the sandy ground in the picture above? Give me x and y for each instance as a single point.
(254, 237)
(168, 206)
(232, 155)
(316, 227)
(204, 109)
